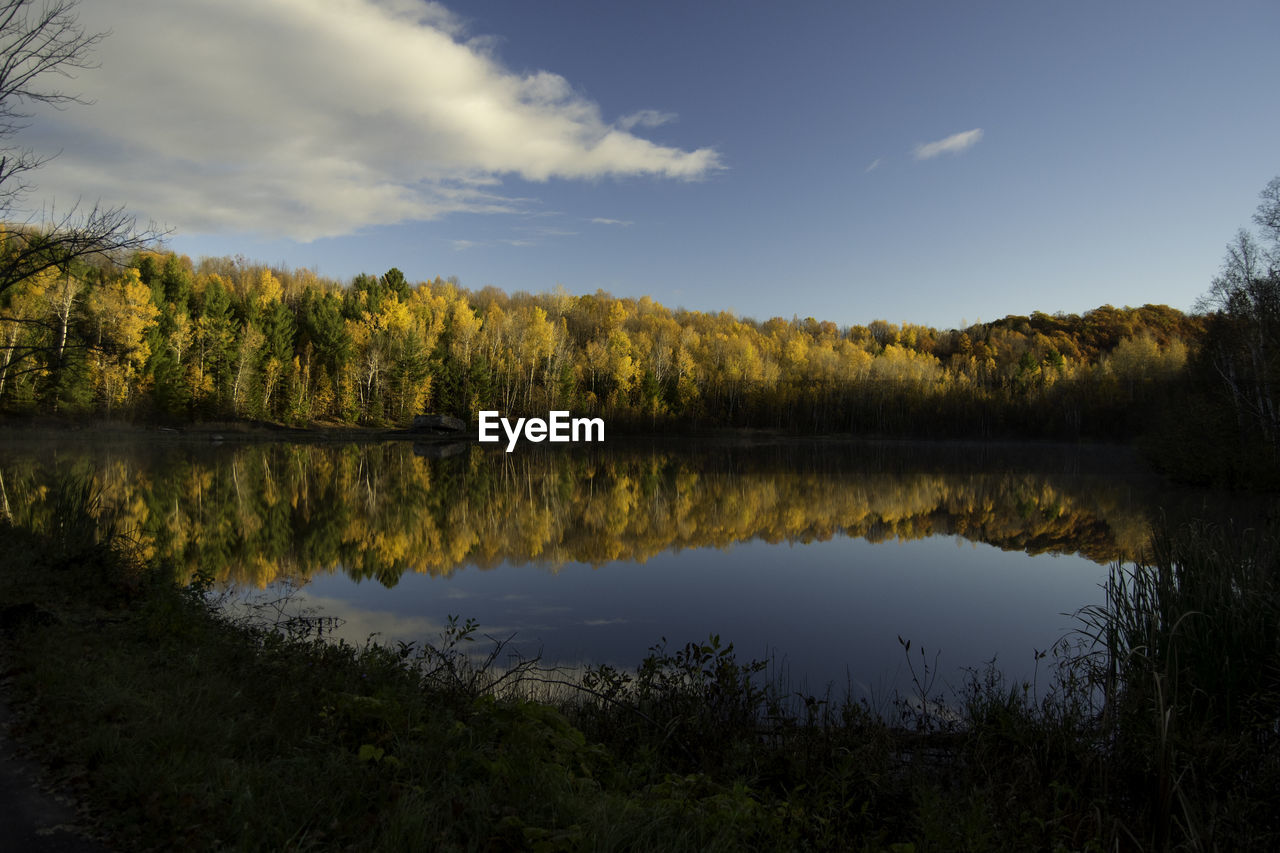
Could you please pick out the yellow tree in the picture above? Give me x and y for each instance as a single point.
(267, 289)
(366, 363)
(534, 344)
(464, 328)
(611, 366)
(899, 364)
(61, 294)
(122, 314)
(181, 336)
(26, 304)
(247, 345)
(414, 330)
(1139, 360)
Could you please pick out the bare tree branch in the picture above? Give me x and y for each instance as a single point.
(41, 40)
(103, 232)
(36, 43)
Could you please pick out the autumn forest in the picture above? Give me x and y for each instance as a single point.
(160, 337)
(151, 335)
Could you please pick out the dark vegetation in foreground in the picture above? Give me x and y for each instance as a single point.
(184, 729)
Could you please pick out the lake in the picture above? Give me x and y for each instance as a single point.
(817, 554)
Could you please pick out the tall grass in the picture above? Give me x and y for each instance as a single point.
(75, 532)
(1188, 658)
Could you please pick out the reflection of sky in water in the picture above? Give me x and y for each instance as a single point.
(828, 607)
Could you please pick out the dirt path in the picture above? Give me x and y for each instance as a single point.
(32, 819)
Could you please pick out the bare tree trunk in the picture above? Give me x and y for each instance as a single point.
(66, 300)
(8, 355)
(5, 512)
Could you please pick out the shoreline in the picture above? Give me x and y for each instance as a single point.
(1094, 456)
(263, 431)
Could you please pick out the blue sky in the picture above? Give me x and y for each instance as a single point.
(933, 163)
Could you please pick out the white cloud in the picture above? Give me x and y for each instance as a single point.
(313, 118)
(875, 164)
(953, 144)
(600, 220)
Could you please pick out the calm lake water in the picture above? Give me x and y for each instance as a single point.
(818, 554)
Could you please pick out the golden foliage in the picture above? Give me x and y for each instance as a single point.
(258, 513)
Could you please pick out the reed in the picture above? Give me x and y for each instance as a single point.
(1187, 656)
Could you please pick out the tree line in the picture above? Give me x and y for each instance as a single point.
(157, 336)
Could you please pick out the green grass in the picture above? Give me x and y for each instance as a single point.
(183, 728)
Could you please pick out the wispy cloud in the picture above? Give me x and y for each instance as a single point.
(646, 118)
(953, 144)
(540, 231)
(875, 164)
(308, 119)
(600, 220)
(527, 235)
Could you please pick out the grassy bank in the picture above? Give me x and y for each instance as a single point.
(182, 728)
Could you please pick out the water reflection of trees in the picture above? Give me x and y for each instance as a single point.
(257, 513)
